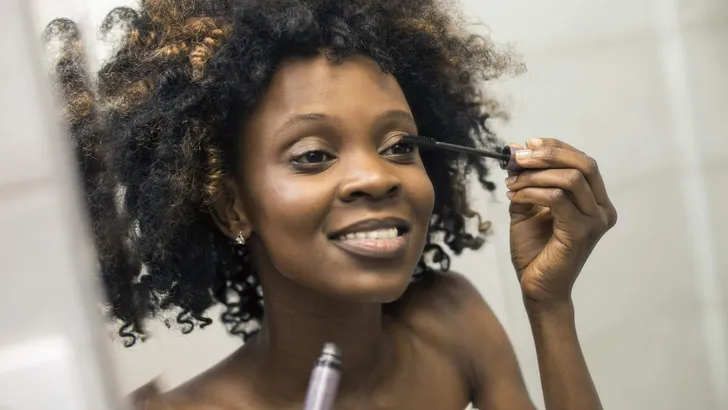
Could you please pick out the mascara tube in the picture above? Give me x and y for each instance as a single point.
(324, 383)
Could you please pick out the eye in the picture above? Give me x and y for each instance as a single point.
(400, 149)
(313, 157)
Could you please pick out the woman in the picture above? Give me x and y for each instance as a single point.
(257, 145)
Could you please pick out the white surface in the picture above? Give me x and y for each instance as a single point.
(612, 82)
(695, 195)
(39, 375)
(49, 290)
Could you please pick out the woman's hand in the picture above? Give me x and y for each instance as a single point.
(559, 211)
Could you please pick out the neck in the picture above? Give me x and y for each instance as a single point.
(298, 322)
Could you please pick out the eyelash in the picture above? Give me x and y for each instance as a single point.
(297, 159)
(411, 148)
(302, 162)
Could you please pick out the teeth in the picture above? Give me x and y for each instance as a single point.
(378, 234)
(369, 235)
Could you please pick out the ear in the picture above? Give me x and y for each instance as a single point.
(229, 213)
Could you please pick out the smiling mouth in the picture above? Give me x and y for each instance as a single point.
(381, 243)
(391, 233)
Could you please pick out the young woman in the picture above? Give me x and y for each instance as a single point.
(249, 153)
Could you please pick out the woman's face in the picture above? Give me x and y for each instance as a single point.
(335, 202)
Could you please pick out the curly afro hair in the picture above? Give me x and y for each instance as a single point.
(155, 133)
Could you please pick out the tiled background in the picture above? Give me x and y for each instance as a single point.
(641, 86)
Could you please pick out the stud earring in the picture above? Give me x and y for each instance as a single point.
(240, 239)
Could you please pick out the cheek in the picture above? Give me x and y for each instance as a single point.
(290, 207)
(287, 214)
(422, 194)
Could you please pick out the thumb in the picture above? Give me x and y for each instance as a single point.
(514, 147)
(524, 210)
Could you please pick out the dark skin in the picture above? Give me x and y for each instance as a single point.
(321, 152)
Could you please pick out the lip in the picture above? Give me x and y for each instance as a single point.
(372, 225)
(375, 248)
(389, 248)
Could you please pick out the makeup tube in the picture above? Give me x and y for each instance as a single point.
(324, 383)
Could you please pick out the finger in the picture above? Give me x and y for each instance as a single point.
(560, 158)
(515, 147)
(525, 210)
(570, 180)
(533, 143)
(555, 199)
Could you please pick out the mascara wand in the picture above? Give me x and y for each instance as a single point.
(506, 158)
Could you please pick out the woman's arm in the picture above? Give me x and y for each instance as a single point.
(559, 211)
(565, 378)
(497, 379)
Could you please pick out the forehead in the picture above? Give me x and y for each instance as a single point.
(354, 87)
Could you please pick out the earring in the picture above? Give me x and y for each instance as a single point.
(240, 239)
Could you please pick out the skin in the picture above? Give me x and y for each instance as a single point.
(439, 339)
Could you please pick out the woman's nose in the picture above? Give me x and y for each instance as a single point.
(369, 177)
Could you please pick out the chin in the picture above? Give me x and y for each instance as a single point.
(372, 286)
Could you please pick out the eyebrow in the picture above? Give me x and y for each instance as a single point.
(319, 117)
(396, 115)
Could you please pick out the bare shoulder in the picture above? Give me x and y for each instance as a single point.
(448, 310)
(447, 307)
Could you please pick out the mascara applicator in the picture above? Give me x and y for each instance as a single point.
(506, 158)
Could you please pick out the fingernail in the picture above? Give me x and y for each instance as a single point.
(523, 154)
(511, 180)
(534, 142)
(510, 194)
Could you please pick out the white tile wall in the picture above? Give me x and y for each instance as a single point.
(707, 63)
(541, 25)
(657, 364)
(641, 270)
(701, 12)
(601, 83)
(717, 179)
(608, 100)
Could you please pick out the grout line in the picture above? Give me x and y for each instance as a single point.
(677, 82)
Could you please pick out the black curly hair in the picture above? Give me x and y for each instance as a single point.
(155, 132)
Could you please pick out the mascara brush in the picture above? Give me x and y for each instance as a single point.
(506, 158)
